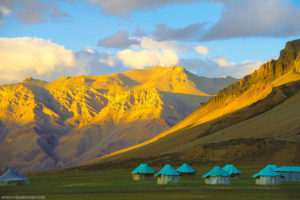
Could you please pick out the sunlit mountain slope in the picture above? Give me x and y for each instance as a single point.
(256, 116)
(75, 119)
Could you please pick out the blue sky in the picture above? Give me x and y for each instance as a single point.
(215, 38)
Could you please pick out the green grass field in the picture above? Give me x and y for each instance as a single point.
(118, 184)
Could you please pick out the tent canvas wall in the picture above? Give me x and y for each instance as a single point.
(267, 176)
(143, 172)
(232, 171)
(217, 176)
(165, 179)
(167, 175)
(186, 171)
(11, 177)
(142, 177)
(268, 180)
(290, 174)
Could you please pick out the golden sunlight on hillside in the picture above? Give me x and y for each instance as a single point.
(75, 119)
(250, 89)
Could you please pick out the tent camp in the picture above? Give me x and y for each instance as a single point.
(233, 171)
(290, 174)
(143, 172)
(186, 171)
(11, 177)
(217, 176)
(167, 175)
(267, 176)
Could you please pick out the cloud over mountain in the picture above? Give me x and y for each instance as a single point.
(150, 53)
(43, 59)
(21, 57)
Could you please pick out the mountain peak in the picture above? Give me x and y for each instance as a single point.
(28, 79)
(31, 81)
(178, 68)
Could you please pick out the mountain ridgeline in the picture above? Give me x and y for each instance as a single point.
(253, 121)
(75, 119)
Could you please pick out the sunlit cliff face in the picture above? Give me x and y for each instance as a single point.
(74, 119)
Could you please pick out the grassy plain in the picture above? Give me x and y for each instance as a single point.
(118, 184)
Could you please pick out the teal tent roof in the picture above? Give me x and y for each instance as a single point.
(216, 171)
(12, 175)
(143, 169)
(267, 171)
(168, 170)
(231, 169)
(288, 169)
(185, 168)
(272, 166)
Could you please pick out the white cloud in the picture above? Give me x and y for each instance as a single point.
(95, 63)
(236, 69)
(141, 59)
(4, 10)
(25, 56)
(201, 50)
(109, 60)
(150, 53)
(89, 49)
(223, 62)
(45, 60)
(148, 43)
(248, 67)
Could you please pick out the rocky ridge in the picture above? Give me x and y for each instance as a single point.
(75, 119)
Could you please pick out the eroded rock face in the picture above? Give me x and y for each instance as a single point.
(75, 119)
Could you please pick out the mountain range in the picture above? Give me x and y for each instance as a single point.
(254, 121)
(72, 120)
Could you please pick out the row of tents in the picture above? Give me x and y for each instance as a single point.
(271, 174)
(168, 174)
